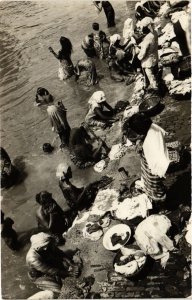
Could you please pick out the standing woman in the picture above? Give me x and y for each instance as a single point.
(108, 9)
(66, 69)
(58, 117)
(153, 154)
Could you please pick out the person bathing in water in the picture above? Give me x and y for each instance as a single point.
(43, 97)
(66, 69)
(58, 118)
(78, 198)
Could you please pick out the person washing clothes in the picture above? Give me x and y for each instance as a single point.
(148, 53)
(153, 152)
(48, 265)
(97, 115)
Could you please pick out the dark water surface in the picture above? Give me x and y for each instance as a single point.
(27, 29)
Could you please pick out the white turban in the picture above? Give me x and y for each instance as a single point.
(97, 97)
(114, 38)
(40, 240)
(62, 168)
(146, 22)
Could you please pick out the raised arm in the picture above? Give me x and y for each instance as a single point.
(53, 52)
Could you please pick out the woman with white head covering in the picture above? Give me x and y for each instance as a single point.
(58, 118)
(97, 104)
(115, 44)
(85, 72)
(48, 265)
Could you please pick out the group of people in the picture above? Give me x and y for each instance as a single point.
(138, 53)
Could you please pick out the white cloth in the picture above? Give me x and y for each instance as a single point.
(146, 22)
(130, 111)
(155, 150)
(149, 50)
(42, 295)
(117, 151)
(151, 233)
(128, 29)
(188, 235)
(131, 208)
(40, 240)
(114, 38)
(62, 168)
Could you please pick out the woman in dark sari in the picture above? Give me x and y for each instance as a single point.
(66, 69)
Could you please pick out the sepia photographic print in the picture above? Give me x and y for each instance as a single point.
(95, 149)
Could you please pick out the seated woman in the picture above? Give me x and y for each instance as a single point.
(97, 115)
(120, 68)
(58, 118)
(88, 46)
(7, 171)
(66, 69)
(51, 217)
(101, 43)
(81, 147)
(48, 265)
(43, 97)
(8, 234)
(78, 198)
(85, 72)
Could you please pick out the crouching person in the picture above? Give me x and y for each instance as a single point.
(48, 265)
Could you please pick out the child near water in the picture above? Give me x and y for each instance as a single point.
(8, 234)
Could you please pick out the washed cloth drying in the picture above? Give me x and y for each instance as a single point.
(117, 151)
(151, 237)
(92, 231)
(188, 235)
(42, 295)
(104, 201)
(131, 208)
(155, 151)
(100, 166)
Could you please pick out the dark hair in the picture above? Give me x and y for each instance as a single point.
(66, 46)
(140, 123)
(95, 26)
(43, 197)
(146, 30)
(42, 91)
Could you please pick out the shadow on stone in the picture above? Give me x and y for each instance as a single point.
(179, 192)
(20, 173)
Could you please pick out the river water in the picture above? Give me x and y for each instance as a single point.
(27, 29)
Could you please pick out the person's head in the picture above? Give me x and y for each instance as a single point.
(42, 243)
(44, 198)
(140, 123)
(97, 97)
(64, 172)
(95, 26)
(115, 39)
(102, 35)
(146, 25)
(66, 46)
(120, 54)
(43, 96)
